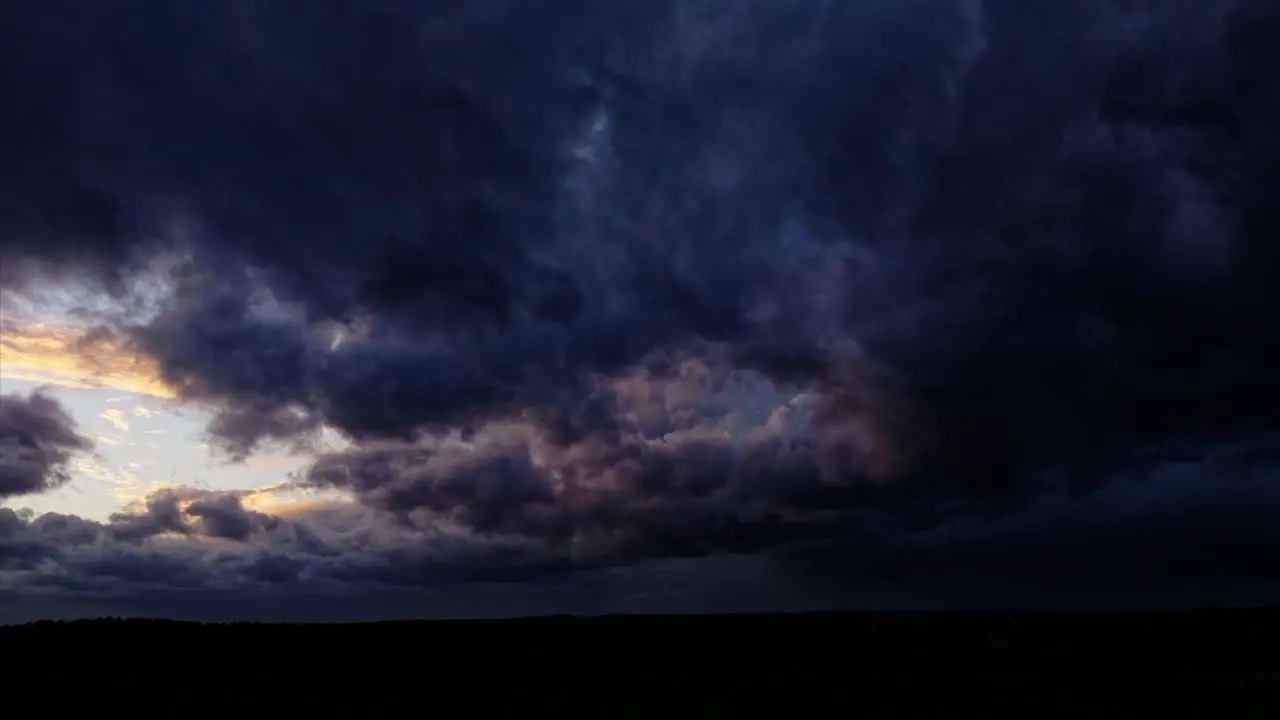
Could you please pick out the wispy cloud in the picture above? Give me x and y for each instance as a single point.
(116, 418)
(123, 478)
(287, 500)
(69, 357)
(102, 439)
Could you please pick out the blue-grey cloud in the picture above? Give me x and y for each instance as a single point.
(1164, 535)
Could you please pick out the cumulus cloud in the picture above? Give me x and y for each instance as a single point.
(590, 284)
(38, 440)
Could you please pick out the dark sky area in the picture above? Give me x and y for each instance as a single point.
(660, 305)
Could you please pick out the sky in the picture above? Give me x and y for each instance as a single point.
(390, 309)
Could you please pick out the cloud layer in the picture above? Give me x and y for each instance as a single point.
(879, 289)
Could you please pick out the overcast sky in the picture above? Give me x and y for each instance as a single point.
(349, 310)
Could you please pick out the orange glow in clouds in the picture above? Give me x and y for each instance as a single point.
(68, 357)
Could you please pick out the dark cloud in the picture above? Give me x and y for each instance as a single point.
(38, 439)
(887, 289)
(1169, 534)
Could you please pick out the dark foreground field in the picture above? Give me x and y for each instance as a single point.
(1204, 664)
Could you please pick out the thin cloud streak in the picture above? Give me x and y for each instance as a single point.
(117, 420)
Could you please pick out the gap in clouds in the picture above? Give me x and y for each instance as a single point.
(52, 340)
(155, 448)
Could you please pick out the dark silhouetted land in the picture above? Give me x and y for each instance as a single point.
(1209, 664)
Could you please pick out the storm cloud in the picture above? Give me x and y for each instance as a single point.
(905, 292)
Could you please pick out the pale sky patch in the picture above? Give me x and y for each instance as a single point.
(121, 470)
(117, 396)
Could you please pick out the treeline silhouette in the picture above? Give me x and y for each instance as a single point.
(1221, 663)
(1202, 637)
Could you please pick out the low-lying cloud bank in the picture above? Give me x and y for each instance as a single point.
(505, 511)
(917, 294)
